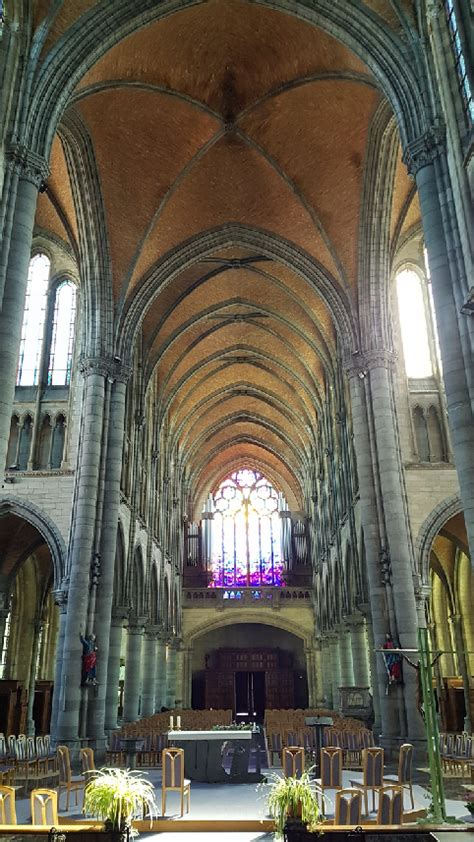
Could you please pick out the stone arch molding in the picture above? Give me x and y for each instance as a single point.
(380, 48)
(260, 617)
(429, 529)
(237, 235)
(45, 526)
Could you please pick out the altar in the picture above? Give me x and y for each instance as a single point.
(208, 753)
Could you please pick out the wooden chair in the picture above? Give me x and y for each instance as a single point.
(390, 809)
(275, 746)
(25, 761)
(292, 761)
(173, 779)
(404, 776)
(7, 805)
(86, 756)
(66, 780)
(331, 770)
(372, 772)
(44, 807)
(292, 739)
(348, 807)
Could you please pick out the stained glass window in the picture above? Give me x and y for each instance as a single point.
(62, 337)
(246, 536)
(33, 321)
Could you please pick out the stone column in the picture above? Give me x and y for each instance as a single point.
(149, 672)
(30, 723)
(425, 158)
(81, 541)
(310, 669)
(187, 677)
(24, 176)
(335, 669)
(456, 621)
(359, 649)
(364, 608)
(60, 599)
(319, 699)
(179, 678)
(106, 540)
(326, 670)
(347, 669)
(371, 513)
(160, 686)
(133, 669)
(171, 652)
(397, 529)
(119, 615)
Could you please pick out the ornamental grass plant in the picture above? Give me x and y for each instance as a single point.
(294, 798)
(116, 796)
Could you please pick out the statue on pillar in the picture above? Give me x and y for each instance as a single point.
(393, 661)
(89, 660)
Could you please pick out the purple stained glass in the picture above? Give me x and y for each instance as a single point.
(246, 543)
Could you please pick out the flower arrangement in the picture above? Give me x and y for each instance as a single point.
(235, 726)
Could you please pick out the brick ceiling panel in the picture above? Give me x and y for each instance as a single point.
(142, 142)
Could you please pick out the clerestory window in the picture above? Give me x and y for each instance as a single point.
(459, 59)
(33, 321)
(413, 325)
(246, 532)
(62, 337)
(49, 320)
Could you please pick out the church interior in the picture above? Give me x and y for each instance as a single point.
(237, 380)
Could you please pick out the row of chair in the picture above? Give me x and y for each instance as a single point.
(348, 806)
(148, 755)
(44, 806)
(27, 759)
(456, 753)
(373, 777)
(295, 719)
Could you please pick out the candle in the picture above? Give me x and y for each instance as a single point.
(178, 722)
(171, 723)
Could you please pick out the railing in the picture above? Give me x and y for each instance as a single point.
(220, 598)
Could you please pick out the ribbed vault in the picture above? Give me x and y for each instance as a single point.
(225, 113)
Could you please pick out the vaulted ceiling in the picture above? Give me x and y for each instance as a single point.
(229, 112)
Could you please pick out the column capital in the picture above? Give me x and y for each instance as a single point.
(361, 362)
(364, 608)
(153, 632)
(60, 597)
(354, 620)
(136, 625)
(111, 367)
(424, 149)
(119, 614)
(28, 165)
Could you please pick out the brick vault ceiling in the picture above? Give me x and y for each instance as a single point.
(229, 112)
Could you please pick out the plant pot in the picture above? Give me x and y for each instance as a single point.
(118, 834)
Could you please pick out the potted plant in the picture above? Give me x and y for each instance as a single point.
(470, 806)
(293, 804)
(116, 796)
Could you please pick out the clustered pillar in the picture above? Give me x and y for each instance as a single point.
(133, 668)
